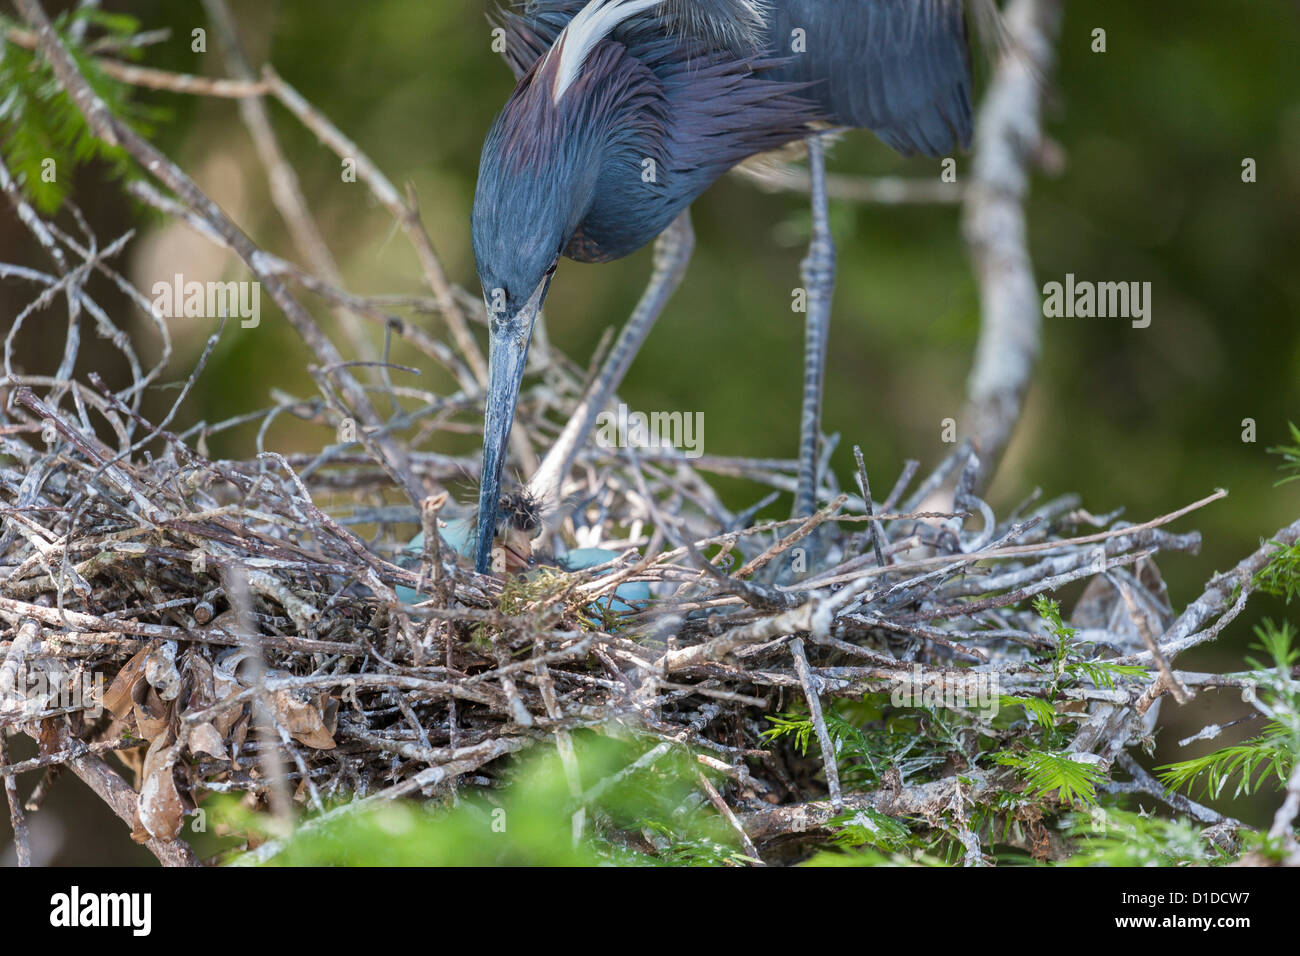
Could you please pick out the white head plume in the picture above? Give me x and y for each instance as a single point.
(597, 20)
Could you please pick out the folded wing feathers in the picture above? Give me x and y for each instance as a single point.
(735, 25)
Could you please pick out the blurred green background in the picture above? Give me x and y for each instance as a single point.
(1154, 132)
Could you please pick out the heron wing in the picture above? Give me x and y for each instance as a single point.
(901, 68)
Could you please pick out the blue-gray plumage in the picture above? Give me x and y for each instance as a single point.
(627, 110)
(900, 68)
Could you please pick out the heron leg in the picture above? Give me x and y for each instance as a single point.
(819, 281)
(672, 254)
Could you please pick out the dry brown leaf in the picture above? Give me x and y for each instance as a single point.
(303, 720)
(331, 714)
(206, 739)
(228, 716)
(161, 672)
(199, 670)
(119, 698)
(51, 737)
(211, 686)
(152, 716)
(160, 807)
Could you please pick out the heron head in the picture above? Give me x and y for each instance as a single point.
(537, 179)
(572, 119)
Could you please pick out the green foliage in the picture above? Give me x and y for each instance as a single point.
(1113, 837)
(1037, 710)
(1277, 643)
(870, 828)
(866, 745)
(1272, 753)
(1290, 457)
(916, 739)
(1067, 666)
(872, 857)
(41, 129)
(799, 728)
(1251, 761)
(863, 755)
(1258, 843)
(1281, 576)
(868, 837)
(675, 849)
(1050, 612)
(1045, 768)
(1049, 771)
(1103, 673)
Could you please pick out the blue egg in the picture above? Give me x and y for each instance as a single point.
(580, 558)
(457, 534)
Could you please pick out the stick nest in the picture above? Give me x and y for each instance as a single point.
(246, 637)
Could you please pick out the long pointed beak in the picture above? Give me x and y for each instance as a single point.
(507, 355)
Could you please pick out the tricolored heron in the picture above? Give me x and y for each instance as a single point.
(627, 110)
